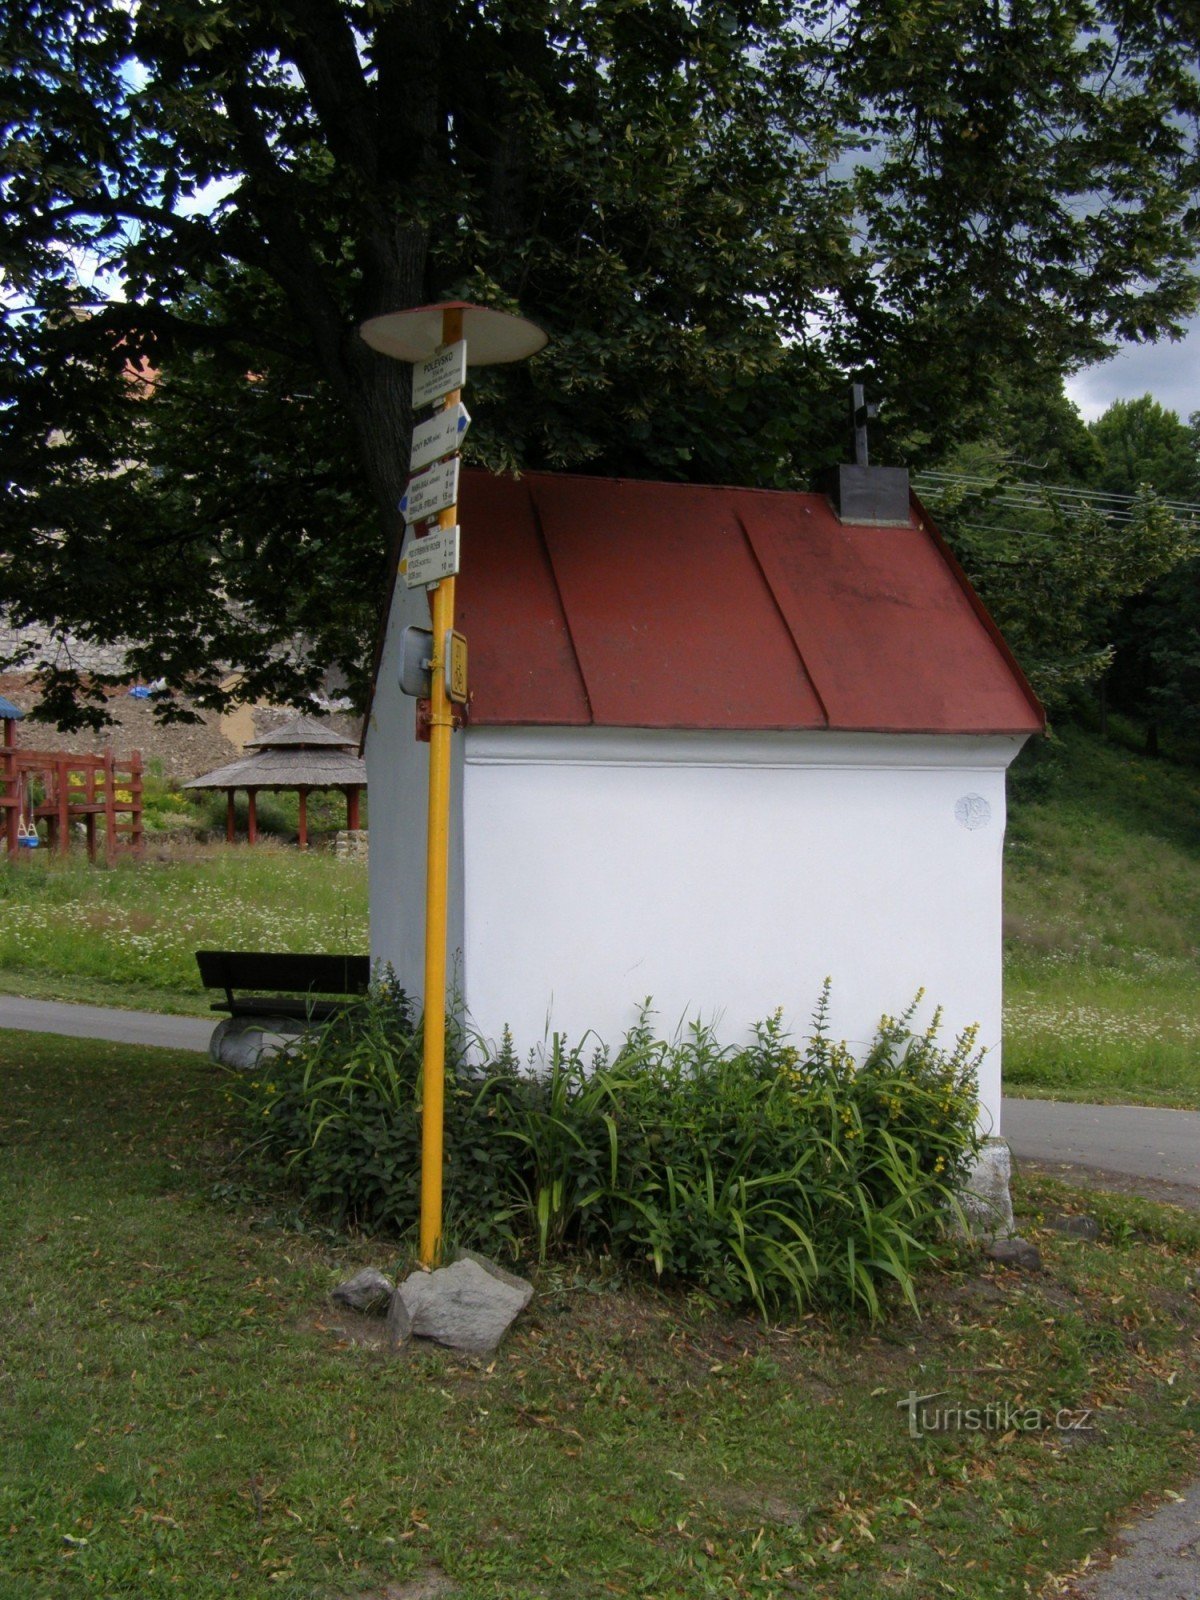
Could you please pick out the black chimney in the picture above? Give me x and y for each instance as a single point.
(863, 493)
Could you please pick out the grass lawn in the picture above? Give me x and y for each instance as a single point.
(126, 936)
(1102, 897)
(184, 1413)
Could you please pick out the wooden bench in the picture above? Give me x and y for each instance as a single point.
(300, 978)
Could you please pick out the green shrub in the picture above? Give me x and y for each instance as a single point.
(165, 808)
(766, 1176)
(277, 812)
(272, 817)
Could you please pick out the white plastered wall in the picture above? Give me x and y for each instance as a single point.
(398, 784)
(723, 875)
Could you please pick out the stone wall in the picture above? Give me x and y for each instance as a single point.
(351, 844)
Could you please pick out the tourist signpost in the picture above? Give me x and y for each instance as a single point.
(441, 341)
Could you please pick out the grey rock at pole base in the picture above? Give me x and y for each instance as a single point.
(467, 1306)
(1015, 1253)
(368, 1291)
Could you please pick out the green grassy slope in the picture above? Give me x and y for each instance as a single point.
(1102, 897)
(127, 937)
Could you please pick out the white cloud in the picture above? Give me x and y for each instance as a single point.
(1168, 371)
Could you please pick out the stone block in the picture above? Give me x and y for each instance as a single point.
(368, 1291)
(985, 1198)
(1015, 1253)
(350, 844)
(1075, 1227)
(244, 1042)
(467, 1306)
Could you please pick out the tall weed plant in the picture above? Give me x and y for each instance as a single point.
(771, 1177)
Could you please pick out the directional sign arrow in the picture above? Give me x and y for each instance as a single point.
(438, 437)
(430, 491)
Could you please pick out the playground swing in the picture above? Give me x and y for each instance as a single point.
(27, 834)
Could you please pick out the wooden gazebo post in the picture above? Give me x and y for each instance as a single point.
(302, 821)
(252, 816)
(352, 793)
(8, 776)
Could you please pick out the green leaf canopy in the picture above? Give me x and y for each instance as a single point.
(716, 210)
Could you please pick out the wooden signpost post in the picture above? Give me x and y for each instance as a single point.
(441, 341)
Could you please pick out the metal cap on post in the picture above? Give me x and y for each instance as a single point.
(494, 338)
(441, 341)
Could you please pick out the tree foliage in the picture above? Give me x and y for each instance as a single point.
(1156, 672)
(1141, 443)
(1056, 575)
(1075, 536)
(716, 209)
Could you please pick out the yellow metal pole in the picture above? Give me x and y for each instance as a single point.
(437, 868)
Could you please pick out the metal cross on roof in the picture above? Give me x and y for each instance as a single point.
(863, 413)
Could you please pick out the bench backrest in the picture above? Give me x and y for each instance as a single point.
(294, 974)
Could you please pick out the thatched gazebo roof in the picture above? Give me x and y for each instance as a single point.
(302, 754)
(302, 733)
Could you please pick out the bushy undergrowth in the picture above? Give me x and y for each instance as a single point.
(767, 1176)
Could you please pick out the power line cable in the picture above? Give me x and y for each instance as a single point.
(1023, 495)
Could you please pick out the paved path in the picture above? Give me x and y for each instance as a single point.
(1138, 1141)
(1157, 1153)
(1157, 1558)
(98, 1022)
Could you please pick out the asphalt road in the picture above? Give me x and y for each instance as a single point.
(1156, 1557)
(97, 1022)
(1138, 1141)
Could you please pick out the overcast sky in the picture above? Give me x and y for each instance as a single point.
(1169, 372)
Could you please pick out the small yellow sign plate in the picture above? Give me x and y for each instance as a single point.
(456, 667)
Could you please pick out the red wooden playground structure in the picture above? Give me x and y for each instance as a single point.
(57, 789)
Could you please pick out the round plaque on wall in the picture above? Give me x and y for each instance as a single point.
(973, 811)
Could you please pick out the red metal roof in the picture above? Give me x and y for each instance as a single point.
(652, 605)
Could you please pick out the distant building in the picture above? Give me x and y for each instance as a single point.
(298, 756)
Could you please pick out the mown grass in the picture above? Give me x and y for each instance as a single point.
(182, 1411)
(126, 935)
(1102, 895)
